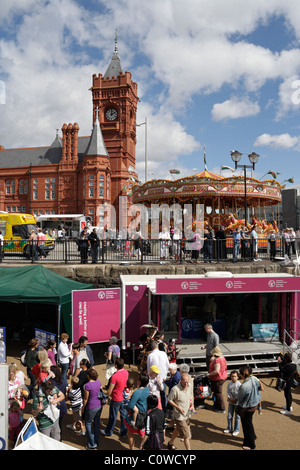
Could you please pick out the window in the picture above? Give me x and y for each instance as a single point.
(10, 187)
(23, 187)
(23, 231)
(50, 188)
(91, 186)
(91, 215)
(35, 188)
(101, 186)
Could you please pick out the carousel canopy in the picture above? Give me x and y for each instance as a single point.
(206, 185)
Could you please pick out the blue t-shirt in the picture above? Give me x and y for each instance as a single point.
(138, 399)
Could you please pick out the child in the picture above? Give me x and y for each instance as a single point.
(232, 392)
(128, 391)
(155, 384)
(44, 375)
(20, 374)
(75, 397)
(127, 247)
(14, 422)
(171, 351)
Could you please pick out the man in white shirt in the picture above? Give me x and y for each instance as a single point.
(164, 238)
(160, 359)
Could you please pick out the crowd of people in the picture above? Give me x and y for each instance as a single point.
(160, 398)
(239, 244)
(211, 246)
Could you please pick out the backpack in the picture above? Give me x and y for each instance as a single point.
(23, 358)
(202, 387)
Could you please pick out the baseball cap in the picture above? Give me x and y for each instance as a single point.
(155, 369)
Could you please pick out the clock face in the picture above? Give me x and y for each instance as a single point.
(111, 114)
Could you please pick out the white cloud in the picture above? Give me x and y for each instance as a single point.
(234, 108)
(167, 140)
(285, 141)
(184, 49)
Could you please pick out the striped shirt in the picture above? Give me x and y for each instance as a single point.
(75, 398)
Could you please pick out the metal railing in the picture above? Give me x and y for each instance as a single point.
(72, 251)
(291, 344)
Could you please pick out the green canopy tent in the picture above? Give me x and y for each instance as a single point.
(37, 284)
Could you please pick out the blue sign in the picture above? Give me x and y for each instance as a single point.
(44, 337)
(265, 332)
(191, 328)
(2, 344)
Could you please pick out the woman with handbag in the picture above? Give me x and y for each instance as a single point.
(287, 369)
(248, 399)
(217, 375)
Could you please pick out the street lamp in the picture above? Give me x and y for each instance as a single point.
(236, 157)
(146, 147)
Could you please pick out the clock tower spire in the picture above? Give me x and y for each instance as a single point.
(115, 96)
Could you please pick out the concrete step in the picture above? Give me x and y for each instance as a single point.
(260, 362)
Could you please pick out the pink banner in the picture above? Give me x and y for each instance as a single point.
(96, 314)
(227, 285)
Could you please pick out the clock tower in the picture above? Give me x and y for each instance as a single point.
(115, 96)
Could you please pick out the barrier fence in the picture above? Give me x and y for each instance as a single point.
(72, 251)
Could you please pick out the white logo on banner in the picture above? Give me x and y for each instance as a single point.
(229, 284)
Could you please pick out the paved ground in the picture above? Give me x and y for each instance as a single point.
(274, 431)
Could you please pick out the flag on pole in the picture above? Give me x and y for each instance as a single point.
(290, 180)
(224, 167)
(205, 167)
(174, 172)
(273, 174)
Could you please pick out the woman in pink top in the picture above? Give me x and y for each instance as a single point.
(51, 351)
(217, 375)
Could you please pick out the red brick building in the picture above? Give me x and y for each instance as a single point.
(78, 174)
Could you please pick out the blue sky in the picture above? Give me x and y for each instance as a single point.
(219, 75)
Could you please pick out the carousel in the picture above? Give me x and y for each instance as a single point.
(223, 199)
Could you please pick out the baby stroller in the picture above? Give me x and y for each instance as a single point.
(202, 390)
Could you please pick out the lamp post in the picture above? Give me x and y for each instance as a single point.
(253, 157)
(146, 147)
